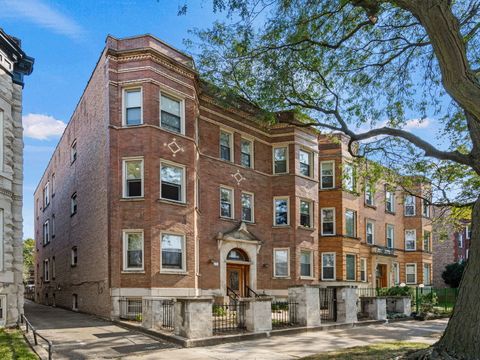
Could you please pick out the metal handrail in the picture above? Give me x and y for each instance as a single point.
(35, 334)
(235, 296)
(249, 290)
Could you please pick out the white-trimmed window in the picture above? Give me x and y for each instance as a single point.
(73, 151)
(306, 213)
(396, 273)
(349, 182)
(46, 194)
(328, 221)
(281, 262)
(409, 205)
(133, 250)
(351, 267)
(410, 239)
(281, 215)
(173, 252)
(3, 310)
(363, 269)
(73, 204)
(226, 202)
(306, 263)
(306, 161)
(46, 232)
(427, 241)
(411, 273)
(172, 182)
(248, 204)
(171, 114)
(369, 194)
(328, 266)
(133, 182)
(74, 256)
(1, 240)
(246, 152)
(426, 208)
(389, 200)
(132, 107)
(46, 270)
(280, 159)
(327, 174)
(460, 240)
(350, 223)
(427, 270)
(226, 145)
(370, 231)
(390, 235)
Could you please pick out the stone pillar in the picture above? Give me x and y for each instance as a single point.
(308, 304)
(347, 304)
(193, 317)
(375, 307)
(115, 313)
(258, 313)
(153, 312)
(399, 304)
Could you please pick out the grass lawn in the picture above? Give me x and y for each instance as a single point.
(381, 351)
(13, 346)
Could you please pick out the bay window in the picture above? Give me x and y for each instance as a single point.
(172, 182)
(172, 252)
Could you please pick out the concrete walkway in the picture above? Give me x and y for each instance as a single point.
(80, 336)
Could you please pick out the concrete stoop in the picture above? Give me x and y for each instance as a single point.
(222, 339)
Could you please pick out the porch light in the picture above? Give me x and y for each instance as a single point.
(421, 286)
(213, 262)
(402, 285)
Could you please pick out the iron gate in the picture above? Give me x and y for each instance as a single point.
(328, 304)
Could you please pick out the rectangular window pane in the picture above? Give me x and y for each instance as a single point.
(327, 175)
(410, 239)
(348, 177)
(281, 212)
(305, 263)
(170, 117)
(305, 215)
(225, 146)
(350, 224)
(409, 205)
(172, 182)
(389, 201)
(410, 273)
(426, 274)
(133, 173)
(134, 250)
(247, 206)
(328, 266)
(172, 248)
(328, 222)
(370, 232)
(280, 160)
(281, 263)
(246, 148)
(226, 203)
(390, 235)
(426, 241)
(350, 267)
(369, 194)
(363, 269)
(133, 107)
(305, 163)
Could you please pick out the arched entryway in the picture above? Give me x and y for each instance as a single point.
(238, 271)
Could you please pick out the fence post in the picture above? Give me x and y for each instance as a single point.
(416, 300)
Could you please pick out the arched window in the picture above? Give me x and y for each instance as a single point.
(237, 255)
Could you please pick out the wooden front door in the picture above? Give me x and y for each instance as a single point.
(237, 278)
(382, 281)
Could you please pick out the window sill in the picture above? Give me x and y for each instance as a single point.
(328, 188)
(281, 278)
(132, 272)
(307, 177)
(132, 198)
(328, 235)
(307, 278)
(281, 227)
(307, 228)
(370, 206)
(173, 272)
(227, 219)
(410, 250)
(328, 279)
(389, 212)
(172, 202)
(279, 174)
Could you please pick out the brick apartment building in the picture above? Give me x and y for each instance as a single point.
(157, 189)
(14, 65)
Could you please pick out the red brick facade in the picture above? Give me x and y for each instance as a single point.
(202, 238)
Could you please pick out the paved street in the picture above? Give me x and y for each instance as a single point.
(80, 336)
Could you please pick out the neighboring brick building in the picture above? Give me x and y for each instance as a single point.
(14, 64)
(157, 189)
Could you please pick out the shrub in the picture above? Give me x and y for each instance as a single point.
(453, 274)
(219, 310)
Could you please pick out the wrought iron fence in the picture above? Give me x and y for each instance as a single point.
(284, 313)
(167, 314)
(428, 299)
(228, 318)
(131, 309)
(328, 304)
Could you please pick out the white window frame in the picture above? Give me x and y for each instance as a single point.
(311, 276)
(46, 232)
(2, 237)
(124, 176)
(287, 160)
(275, 263)
(231, 144)
(252, 148)
(429, 241)
(183, 193)
(392, 198)
(310, 163)
(387, 226)
(355, 215)
(467, 231)
(334, 266)
(253, 206)
(275, 198)
(370, 187)
(364, 267)
(407, 265)
(73, 250)
(310, 213)
(405, 205)
(125, 233)
(354, 267)
(460, 240)
(232, 201)
(354, 182)
(46, 270)
(73, 151)
(428, 214)
(124, 104)
(429, 274)
(334, 222)
(182, 111)
(333, 174)
(184, 253)
(415, 240)
(46, 194)
(396, 273)
(372, 222)
(3, 306)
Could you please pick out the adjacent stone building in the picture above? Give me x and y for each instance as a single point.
(158, 188)
(14, 64)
